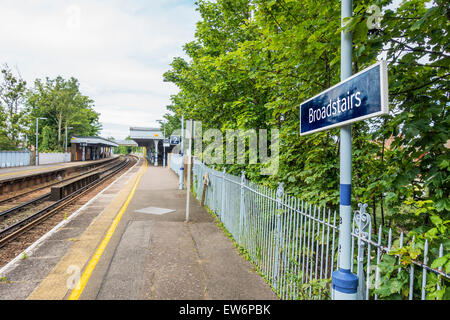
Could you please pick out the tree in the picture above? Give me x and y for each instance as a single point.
(61, 102)
(12, 97)
(253, 62)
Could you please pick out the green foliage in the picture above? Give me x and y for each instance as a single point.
(125, 149)
(395, 278)
(12, 95)
(172, 123)
(315, 289)
(61, 102)
(395, 266)
(58, 100)
(253, 62)
(393, 285)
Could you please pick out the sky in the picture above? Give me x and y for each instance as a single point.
(118, 50)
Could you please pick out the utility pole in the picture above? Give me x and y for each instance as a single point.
(164, 145)
(345, 283)
(65, 149)
(188, 188)
(37, 134)
(181, 151)
(156, 152)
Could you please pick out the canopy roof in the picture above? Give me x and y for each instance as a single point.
(142, 133)
(98, 141)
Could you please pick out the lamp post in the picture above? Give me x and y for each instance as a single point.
(37, 134)
(181, 183)
(65, 149)
(164, 146)
(188, 189)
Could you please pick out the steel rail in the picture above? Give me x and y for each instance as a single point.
(21, 206)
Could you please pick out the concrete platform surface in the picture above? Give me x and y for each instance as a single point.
(152, 253)
(12, 172)
(21, 277)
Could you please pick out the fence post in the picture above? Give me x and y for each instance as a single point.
(280, 194)
(241, 208)
(222, 209)
(213, 202)
(362, 228)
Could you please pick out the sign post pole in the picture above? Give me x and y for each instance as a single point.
(188, 187)
(181, 182)
(345, 283)
(357, 97)
(37, 133)
(164, 145)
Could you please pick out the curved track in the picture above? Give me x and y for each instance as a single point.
(16, 229)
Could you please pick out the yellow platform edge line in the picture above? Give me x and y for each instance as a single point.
(78, 290)
(13, 173)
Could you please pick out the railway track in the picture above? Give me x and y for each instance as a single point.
(22, 201)
(16, 229)
(16, 197)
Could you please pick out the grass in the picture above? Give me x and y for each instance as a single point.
(4, 280)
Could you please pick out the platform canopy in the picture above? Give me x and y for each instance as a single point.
(145, 136)
(126, 143)
(150, 138)
(97, 141)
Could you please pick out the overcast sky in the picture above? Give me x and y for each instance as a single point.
(118, 50)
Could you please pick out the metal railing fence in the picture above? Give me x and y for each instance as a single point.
(14, 158)
(175, 161)
(53, 157)
(294, 244)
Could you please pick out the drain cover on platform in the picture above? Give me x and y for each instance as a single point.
(155, 210)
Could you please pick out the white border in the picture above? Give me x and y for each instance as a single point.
(29, 250)
(384, 99)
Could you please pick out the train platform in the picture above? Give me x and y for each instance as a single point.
(131, 242)
(15, 172)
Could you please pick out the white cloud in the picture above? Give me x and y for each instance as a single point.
(118, 50)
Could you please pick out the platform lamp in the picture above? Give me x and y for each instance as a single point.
(65, 150)
(164, 146)
(37, 133)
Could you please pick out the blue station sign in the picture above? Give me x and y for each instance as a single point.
(174, 139)
(361, 96)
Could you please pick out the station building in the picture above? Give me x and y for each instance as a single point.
(153, 141)
(90, 148)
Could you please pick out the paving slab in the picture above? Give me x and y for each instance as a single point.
(156, 256)
(21, 278)
(12, 172)
(160, 256)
